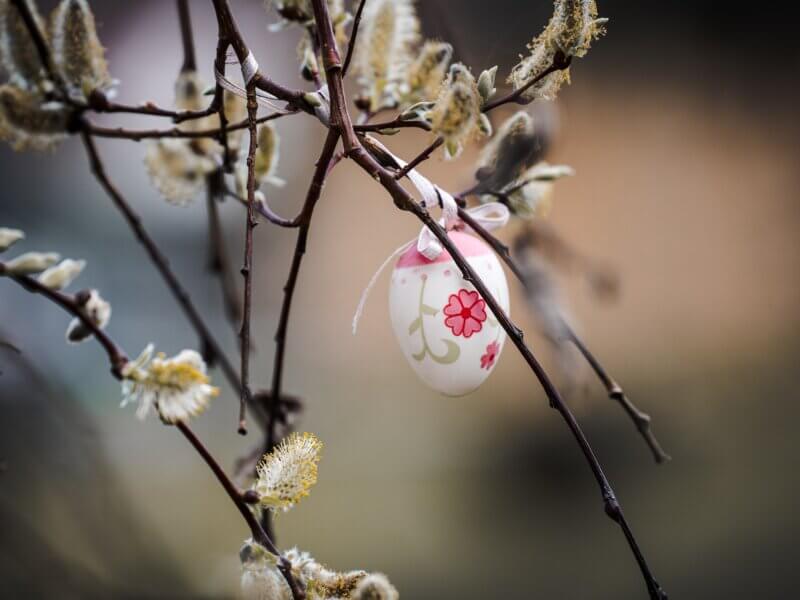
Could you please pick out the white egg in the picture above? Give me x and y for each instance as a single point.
(446, 331)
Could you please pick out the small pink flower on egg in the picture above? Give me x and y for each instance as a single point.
(487, 360)
(465, 313)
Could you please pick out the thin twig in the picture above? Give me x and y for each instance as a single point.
(396, 123)
(159, 261)
(560, 62)
(247, 266)
(420, 158)
(70, 303)
(351, 44)
(219, 263)
(137, 135)
(640, 419)
(314, 192)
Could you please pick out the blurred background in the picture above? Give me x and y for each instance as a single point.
(682, 127)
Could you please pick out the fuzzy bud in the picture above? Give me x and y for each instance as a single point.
(61, 275)
(31, 263)
(457, 110)
(96, 309)
(570, 32)
(25, 122)
(426, 73)
(17, 49)
(77, 51)
(486, 83)
(389, 29)
(375, 586)
(9, 237)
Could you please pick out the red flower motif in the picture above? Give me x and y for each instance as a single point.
(487, 360)
(465, 313)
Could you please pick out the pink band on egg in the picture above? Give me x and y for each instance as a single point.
(468, 244)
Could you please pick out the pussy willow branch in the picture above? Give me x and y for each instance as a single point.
(118, 359)
(72, 305)
(420, 158)
(247, 266)
(341, 120)
(560, 62)
(137, 135)
(133, 220)
(640, 419)
(159, 261)
(259, 535)
(396, 123)
(304, 220)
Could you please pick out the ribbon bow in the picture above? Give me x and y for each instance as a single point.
(490, 216)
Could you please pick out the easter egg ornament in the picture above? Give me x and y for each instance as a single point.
(445, 330)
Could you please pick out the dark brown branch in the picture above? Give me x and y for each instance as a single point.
(265, 211)
(159, 261)
(396, 123)
(240, 500)
(219, 262)
(351, 44)
(142, 134)
(70, 303)
(229, 32)
(640, 419)
(304, 220)
(560, 62)
(420, 158)
(247, 266)
(189, 58)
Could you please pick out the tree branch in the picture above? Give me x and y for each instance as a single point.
(69, 303)
(420, 158)
(351, 44)
(219, 263)
(640, 419)
(159, 261)
(304, 220)
(247, 266)
(189, 59)
(118, 359)
(560, 62)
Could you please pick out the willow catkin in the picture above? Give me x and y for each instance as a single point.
(427, 72)
(27, 123)
(18, 52)
(389, 30)
(457, 111)
(77, 52)
(571, 30)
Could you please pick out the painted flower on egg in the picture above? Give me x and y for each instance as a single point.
(446, 331)
(487, 360)
(465, 313)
